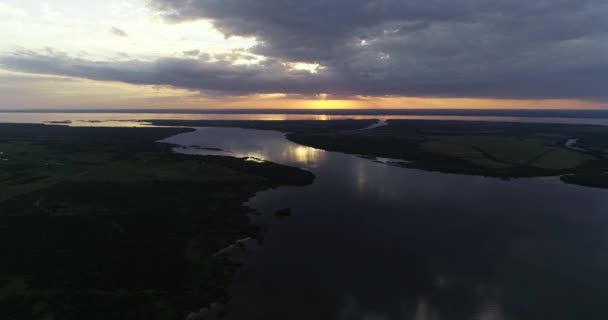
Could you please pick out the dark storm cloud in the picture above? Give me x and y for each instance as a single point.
(118, 32)
(455, 48)
(509, 48)
(220, 76)
(316, 30)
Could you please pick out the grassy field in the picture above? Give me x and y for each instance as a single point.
(99, 223)
(504, 152)
(508, 150)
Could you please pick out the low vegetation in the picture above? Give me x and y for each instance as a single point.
(105, 223)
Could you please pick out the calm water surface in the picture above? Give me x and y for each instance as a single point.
(369, 241)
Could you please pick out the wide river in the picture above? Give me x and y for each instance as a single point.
(370, 241)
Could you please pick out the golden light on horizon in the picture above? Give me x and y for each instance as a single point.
(76, 93)
(333, 104)
(324, 101)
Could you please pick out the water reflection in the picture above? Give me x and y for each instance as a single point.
(373, 241)
(304, 156)
(242, 143)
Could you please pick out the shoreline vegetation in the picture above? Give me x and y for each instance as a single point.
(107, 223)
(494, 149)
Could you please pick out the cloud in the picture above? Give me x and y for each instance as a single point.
(12, 11)
(517, 49)
(191, 53)
(218, 76)
(504, 48)
(118, 32)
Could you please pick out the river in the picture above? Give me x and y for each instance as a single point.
(371, 241)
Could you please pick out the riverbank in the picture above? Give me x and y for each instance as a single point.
(493, 149)
(106, 223)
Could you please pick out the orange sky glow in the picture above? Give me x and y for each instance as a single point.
(69, 93)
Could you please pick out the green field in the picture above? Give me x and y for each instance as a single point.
(100, 223)
(504, 152)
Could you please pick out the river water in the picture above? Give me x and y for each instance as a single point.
(370, 241)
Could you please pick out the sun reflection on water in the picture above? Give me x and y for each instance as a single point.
(302, 155)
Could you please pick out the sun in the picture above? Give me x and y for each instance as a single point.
(325, 102)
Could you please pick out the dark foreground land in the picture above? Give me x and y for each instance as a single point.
(105, 223)
(577, 153)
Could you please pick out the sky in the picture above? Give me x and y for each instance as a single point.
(370, 54)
